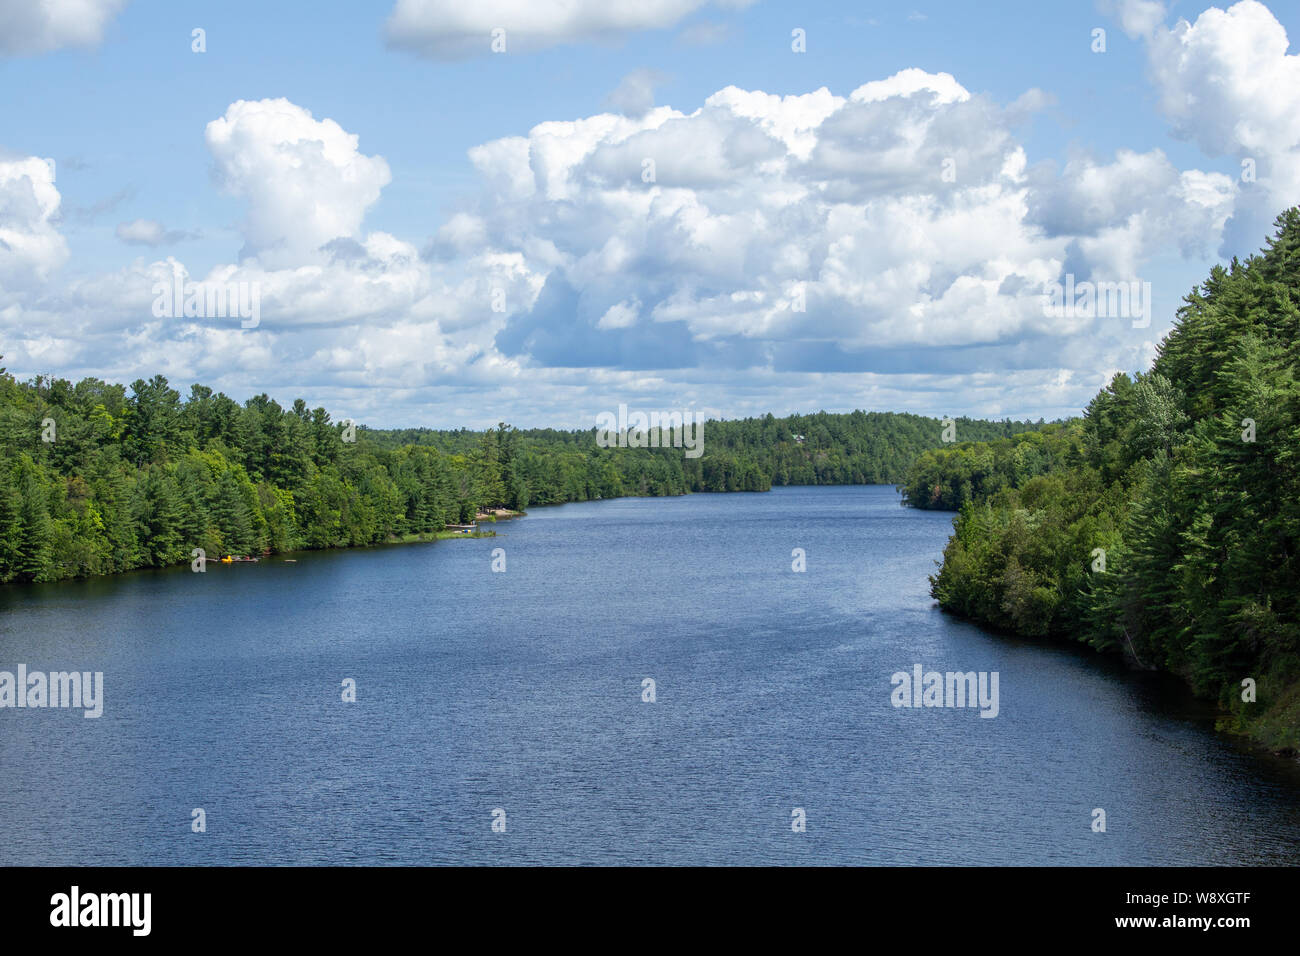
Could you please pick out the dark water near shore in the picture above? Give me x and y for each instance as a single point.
(522, 691)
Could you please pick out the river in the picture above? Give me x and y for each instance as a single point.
(523, 691)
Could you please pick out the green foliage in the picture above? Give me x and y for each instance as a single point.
(141, 479)
(750, 454)
(1199, 523)
(948, 477)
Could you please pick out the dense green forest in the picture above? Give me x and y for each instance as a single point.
(751, 454)
(1165, 524)
(96, 478)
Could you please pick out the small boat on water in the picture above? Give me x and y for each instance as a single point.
(237, 559)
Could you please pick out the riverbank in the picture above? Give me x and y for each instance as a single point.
(1269, 721)
(1276, 729)
(498, 514)
(417, 537)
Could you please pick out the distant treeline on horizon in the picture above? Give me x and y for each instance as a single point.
(96, 478)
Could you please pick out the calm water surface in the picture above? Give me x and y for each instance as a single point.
(522, 691)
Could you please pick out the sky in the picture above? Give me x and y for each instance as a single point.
(535, 211)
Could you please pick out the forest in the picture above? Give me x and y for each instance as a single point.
(1165, 524)
(96, 478)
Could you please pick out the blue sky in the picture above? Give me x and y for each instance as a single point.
(376, 265)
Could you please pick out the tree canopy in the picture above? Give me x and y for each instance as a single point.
(1165, 524)
(97, 478)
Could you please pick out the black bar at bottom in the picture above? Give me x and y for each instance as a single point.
(367, 904)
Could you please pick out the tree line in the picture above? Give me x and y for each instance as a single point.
(1164, 524)
(96, 478)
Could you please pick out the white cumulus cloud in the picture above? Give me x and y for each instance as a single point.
(874, 248)
(31, 246)
(1227, 83)
(305, 180)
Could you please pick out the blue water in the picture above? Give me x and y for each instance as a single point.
(522, 691)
